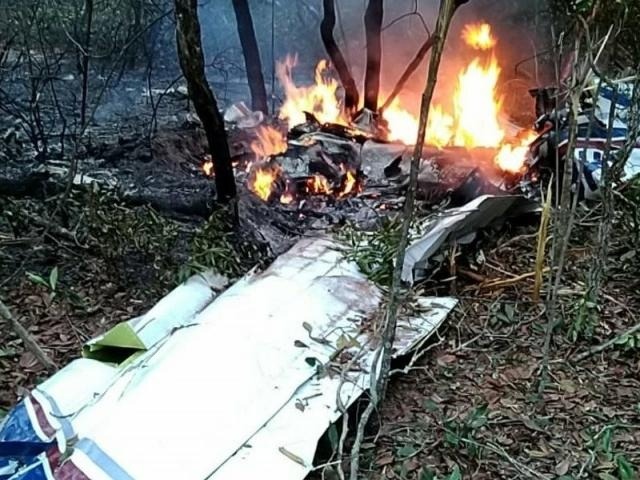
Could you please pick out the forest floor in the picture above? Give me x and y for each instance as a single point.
(473, 407)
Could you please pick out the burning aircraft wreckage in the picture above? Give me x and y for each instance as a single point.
(184, 392)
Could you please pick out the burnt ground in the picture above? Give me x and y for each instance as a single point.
(472, 405)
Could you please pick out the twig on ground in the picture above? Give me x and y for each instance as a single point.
(30, 344)
(511, 281)
(633, 330)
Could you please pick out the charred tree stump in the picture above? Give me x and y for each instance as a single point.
(191, 59)
(373, 31)
(351, 96)
(251, 54)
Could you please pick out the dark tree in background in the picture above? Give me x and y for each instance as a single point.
(251, 54)
(351, 97)
(373, 31)
(191, 58)
(85, 54)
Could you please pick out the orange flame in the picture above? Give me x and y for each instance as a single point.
(479, 36)
(319, 99)
(511, 157)
(286, 198)
(350, 185)
(471, 121)
(319, 185)
(270, 142)
(262, 180)
(476, 106)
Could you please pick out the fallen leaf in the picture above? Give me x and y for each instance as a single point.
(563, 467)
(292, 456)
(446, 359)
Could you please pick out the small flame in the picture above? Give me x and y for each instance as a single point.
(511, 158)
(319, 99)
(286, 198)
(350, 184)
(479, 36)
(319, 185)
(270, 142)
(262, 180)
(207, 166)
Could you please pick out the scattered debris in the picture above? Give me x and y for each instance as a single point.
(305, 313)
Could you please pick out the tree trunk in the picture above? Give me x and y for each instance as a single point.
(351, 97)
(88, 12)
(251, 54)
(379, 380)
(192, 65)
(373, 32)
(411, 68)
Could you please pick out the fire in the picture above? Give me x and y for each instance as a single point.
(476, 106)
(286, 198)
(319, 99)
(319, 185)
(511, 157)
(350, 184)
(479, 36)
(471, 120)
(263, 179)
(207, 166)
(270, 142)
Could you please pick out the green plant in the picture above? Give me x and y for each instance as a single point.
(585, 319)
(50, 283)
(463, 433)
(218, 246)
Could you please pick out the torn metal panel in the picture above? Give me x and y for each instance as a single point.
(248, 369)
(176, 310)
(453, 224)
(288, 442)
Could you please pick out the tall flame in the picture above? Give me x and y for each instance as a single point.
(476, 106)
(479, 36)
(319, 99)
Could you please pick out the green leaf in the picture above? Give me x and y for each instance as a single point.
(625, 469)
(53, 278)
(455, 475)
(7, 352)
(427, 474)
(452, 439)
(37, 279)
(431, 406)
(605, 442)
(407, 450)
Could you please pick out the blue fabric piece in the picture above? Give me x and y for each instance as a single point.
(23, 450)
(622, 99)
(35, 471)
(102, 460)
(17, 426)
(7, 468)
